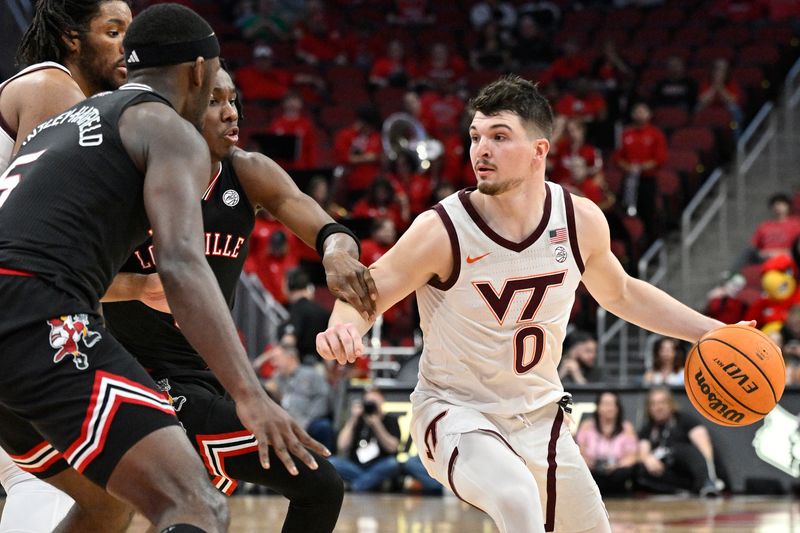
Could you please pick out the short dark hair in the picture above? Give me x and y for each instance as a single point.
(164, 24)
(520, 96)
(297, 279)
(779, 198)
(577, 337)
(53, 20)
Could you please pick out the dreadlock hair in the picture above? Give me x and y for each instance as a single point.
(52, 21)
(519, 96)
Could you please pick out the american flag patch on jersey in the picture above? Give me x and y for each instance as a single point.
(558, 235)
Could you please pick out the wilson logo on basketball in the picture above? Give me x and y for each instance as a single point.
(733, 370)
(714, 402)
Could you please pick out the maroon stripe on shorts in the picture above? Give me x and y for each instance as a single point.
(504, 441)
(550, 510)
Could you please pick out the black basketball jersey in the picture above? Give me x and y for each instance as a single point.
(153, 337)
(71, 202)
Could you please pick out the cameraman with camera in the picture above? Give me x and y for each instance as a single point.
(367, 444)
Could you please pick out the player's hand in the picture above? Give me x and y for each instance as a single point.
(153, 294)
(341, 342)
(350, 281)
(272, 426)
(747, 323)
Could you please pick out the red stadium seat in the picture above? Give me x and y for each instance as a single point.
(635, 228)
(670, 117)
(733, 35)
(690, 36)
(651, 37)
(333, 118)
(683, 160)
(693, 137)
(627, 17)
(716, 117)
(660, 55)
(665, 17)
(668, 182)
(585, 20)
(762, 54)
(634, 56)
(389, 100)
(708, 54)
(749, 77)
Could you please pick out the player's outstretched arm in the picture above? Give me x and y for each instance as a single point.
(629, 298)
(422, 253)
(176, 163)
(269, 186)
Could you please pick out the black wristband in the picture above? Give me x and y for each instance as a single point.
(331, 228)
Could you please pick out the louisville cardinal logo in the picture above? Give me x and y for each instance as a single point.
(66, 333)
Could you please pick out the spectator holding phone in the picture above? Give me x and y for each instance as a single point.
(367, 444)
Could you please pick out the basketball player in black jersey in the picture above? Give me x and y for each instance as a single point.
(80, 195)
(240, 182)
(72, 49)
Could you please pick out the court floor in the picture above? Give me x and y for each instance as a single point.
(413, 514)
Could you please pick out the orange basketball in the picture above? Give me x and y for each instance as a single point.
(735, 375)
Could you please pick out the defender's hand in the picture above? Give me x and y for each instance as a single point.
(272, 426)
(341, 342)
(153, 294)
(350, 281)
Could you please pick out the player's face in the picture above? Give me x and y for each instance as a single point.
(195, 111)
(220, 127)
(100, 58)
(503, 152)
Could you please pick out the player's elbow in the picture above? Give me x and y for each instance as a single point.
(176, 261)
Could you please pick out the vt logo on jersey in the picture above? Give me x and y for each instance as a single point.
(66, 332)
(528, 333)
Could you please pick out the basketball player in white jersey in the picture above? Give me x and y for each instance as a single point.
(60, 70)
(495, 271)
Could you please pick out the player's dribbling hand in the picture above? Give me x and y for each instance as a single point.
(351, 281)
(341, 342)
(272, 426)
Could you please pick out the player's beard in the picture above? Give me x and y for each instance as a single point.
(494, 188)
(100, 74)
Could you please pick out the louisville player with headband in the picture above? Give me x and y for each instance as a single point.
(240, 183)
(488, 410)
(71, 50)
(126, 162)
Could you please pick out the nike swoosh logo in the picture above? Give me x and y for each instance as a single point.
(471, 260)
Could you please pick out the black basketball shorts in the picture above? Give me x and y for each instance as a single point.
(69, 392)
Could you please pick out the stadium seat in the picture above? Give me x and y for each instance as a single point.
(693, 137)
(660, 55)
(708, 54)
(665, 17)
(628, 18)
(651, 37)
(690, 36)
(762, 55)
(336, 117)
(716, 117)
(670, 118)
(733, 35)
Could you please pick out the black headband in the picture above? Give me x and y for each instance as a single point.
(159, 55)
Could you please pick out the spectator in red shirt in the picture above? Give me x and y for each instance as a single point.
(292, 121)
(440, 111)
(416, 186)
(273, 266)
(567, 67)
(776, 235)
(265, 226)
(392, 69)
(721, 90)
(582, 103)
(382, 202)
(316, 41)
(642, 153)
(359, 149)
(264, 81)
(570, 151)
(442, 68)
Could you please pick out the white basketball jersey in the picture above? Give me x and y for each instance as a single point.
(8, 136)
(493, 331)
